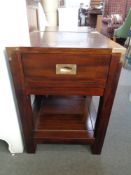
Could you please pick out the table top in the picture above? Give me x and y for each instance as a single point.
(78, 37)
(71, 38)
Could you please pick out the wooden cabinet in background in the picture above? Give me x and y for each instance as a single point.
(95, 3)
(93, 16)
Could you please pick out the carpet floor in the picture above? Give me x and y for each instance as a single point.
(59, 159)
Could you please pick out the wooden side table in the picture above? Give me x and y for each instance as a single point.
(63, 80)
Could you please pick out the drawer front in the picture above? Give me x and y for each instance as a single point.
(65, 70)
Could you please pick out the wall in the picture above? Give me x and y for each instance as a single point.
(13, 32)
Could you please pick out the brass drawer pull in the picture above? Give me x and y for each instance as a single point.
(66, 69)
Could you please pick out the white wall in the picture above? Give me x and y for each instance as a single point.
(13, 32)
(68, 17)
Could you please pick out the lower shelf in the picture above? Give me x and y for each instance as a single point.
(54, 136)
(64, 120)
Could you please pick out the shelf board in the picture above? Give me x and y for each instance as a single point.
(60, 119)
(64, 136)
(63, 105)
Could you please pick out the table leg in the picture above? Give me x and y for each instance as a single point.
(105, 105)
(24, 103)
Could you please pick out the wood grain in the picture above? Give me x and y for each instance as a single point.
(62, 111)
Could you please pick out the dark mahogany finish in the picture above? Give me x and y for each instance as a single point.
(93, 13)
(62, 110)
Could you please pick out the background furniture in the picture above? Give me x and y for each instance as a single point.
(94, 3)
(85, 67)
(98, 23)
(122, 31)
(113, 7)
(93, 14)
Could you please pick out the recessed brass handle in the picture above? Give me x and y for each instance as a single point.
(66, 69)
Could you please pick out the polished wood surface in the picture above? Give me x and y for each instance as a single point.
(40, 69)
(63, 111)
(60, 119)
(78, 37)
(105, 105)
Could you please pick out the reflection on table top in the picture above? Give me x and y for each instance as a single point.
(78, 37)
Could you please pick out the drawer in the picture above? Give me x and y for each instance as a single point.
(79, 70)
